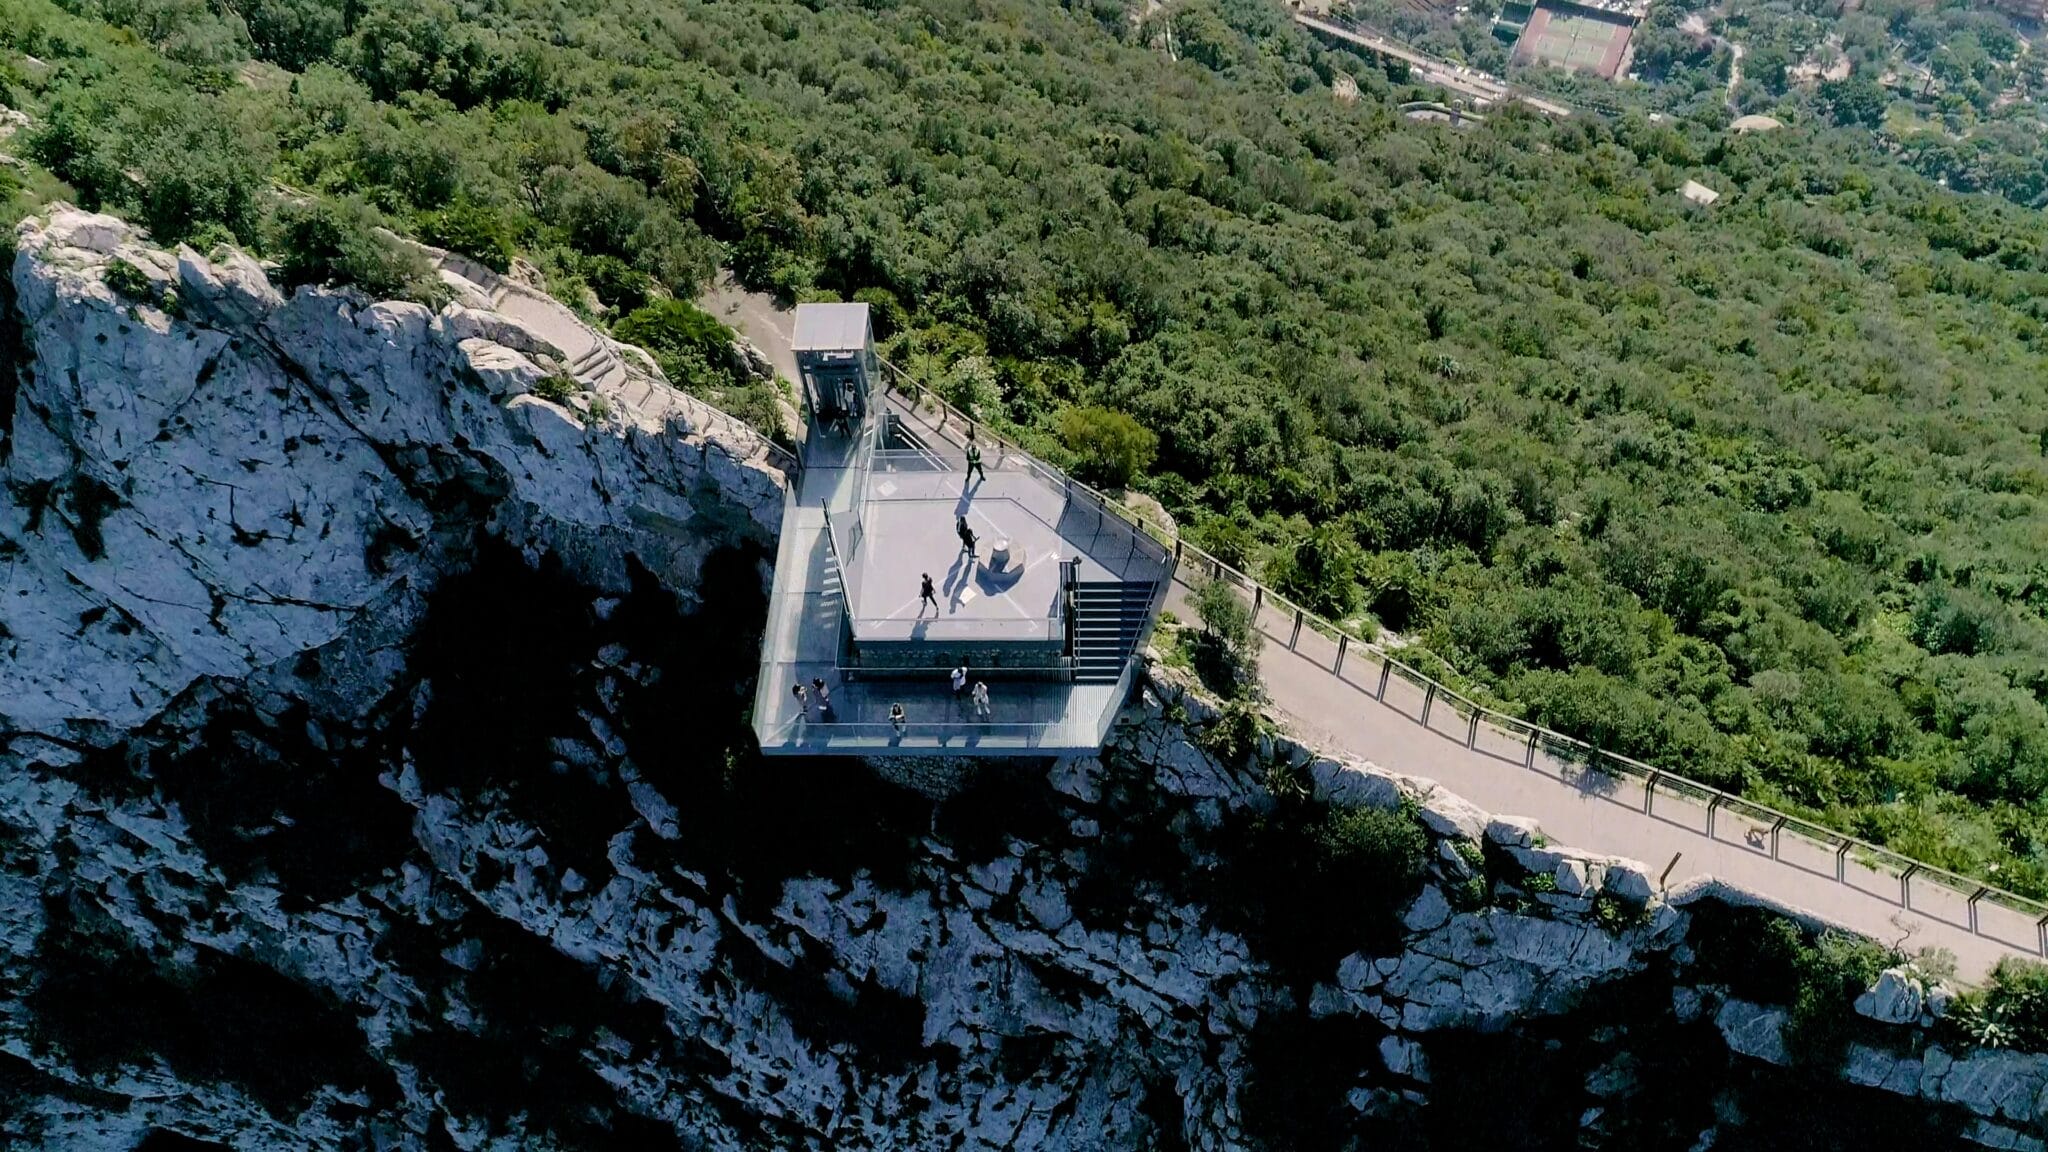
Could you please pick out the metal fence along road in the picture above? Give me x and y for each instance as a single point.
(1808, 852)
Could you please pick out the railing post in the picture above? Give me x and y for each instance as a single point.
(1472, 730)
(1529, 758)
(1258, 599)
(1386, 670)
(1295, 638)
(1842, 863)
(1428, 699)
(1343, 643)
(1981, 893)
(2041, 934)
(1775, 829)
(1650, 793)
(1176, 550)
(1713, 807)
(1906, 886)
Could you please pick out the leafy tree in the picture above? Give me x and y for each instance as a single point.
(1226, 654)
(475, 230)
(1320, 571)
(1111, 449)
(338, 243)
(678, 328)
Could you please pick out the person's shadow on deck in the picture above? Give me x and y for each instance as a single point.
(956, 579)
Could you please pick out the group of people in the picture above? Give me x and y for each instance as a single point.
(817, 695)
(815, 701)
(965, 698)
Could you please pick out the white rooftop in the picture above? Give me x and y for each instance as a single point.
(830, 328)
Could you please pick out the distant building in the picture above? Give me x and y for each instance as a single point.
(1698, 193)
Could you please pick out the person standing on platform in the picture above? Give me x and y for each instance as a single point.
(896, 719)
(803, 700)
(960, 689)
(966, 535)
(927, 593)
(974, 467)
(981, 705)
(823, 696)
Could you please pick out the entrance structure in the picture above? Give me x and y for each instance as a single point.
(1039, 591)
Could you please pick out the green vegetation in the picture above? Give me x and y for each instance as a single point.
(1309, 883)
(695, 351)
(1110, 448)
(557, 388)
(1753, 493)
(337, 242)
(1816, 976)
(1226, 652)
(2009, 1011)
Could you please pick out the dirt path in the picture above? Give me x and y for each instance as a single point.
(757, 316)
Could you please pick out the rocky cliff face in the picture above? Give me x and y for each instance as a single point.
(376, 775)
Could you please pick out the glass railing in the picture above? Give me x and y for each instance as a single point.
(910, 736)
(958, 628)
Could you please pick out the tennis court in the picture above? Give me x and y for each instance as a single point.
(1574, 39)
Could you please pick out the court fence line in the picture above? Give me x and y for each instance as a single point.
(1657, 782)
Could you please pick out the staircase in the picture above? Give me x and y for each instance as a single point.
(1109, 616)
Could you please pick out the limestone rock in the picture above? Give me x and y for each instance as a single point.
(1896, 998)
(1754, 1030)
(1429, 912)
(1513, 831)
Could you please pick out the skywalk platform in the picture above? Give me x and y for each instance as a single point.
(1048, 611)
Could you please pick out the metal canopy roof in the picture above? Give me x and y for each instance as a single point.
(830, 328)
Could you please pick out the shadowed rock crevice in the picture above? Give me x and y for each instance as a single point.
(212, 1018)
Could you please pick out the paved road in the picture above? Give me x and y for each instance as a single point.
(1484, 88)
(1595, 813)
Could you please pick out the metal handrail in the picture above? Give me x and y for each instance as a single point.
(1599, 759)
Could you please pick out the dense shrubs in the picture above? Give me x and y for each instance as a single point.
(1766, 958)
(337, 242)
(1109, 447)
(1311, 883)
(1226, 651)
(679, 330)
(171, 158)
(475, 230)
(2009, 1011)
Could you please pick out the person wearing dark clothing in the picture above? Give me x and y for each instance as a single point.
(974, 467)
(927, 592)
(823, 696)
(896, 720)
(966, 535)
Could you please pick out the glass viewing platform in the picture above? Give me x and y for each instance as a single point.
(1046, 610)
